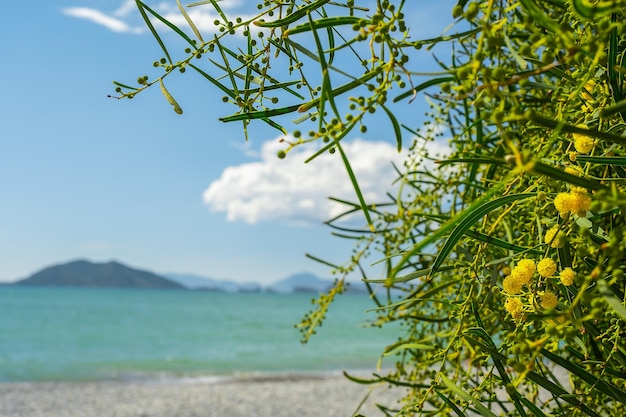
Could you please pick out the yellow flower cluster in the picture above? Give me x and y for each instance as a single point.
(576, 201)
(588, 97)
(588, 88)
(554, 237)
(567, 276)
(583, 144)
(520, 276)
(549, 300)
(514, 306)
(546, 267)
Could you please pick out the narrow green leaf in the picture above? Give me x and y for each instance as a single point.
(189, 21)
(411, 276)
(596, 383)
(591, 10)
(540, 18)
(564, 127)
(444, 229)
(169, 98)
(480, 408)
(227, 91)
(355, 184)
(275, 125)
(431, 82)
(146, 19)
(542, 169)
(444, 38)
(618, 107)
(125, 86)
(361, 380)
(512, 49)
(450, 404)
(476, 160)
(603, 160)
(614, 302)
(260, 114)
(325, 22)
(314, 57)
(500, 243)
(482, 333)
(323, 262)
(396, 127)
(343, 89)
(293, 17)
(226, 63)
(404, 346)
(170, 25)
(470, 216)
(219, 11)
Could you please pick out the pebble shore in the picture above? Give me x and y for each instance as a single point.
(260, 396)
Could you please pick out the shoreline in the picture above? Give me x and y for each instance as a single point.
(277, 395)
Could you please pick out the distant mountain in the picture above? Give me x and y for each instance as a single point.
(83, 273)
(197, 282)
(303, 282)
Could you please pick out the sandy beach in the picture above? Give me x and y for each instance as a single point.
(259, 396)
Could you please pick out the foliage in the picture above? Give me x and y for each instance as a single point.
(510, 254)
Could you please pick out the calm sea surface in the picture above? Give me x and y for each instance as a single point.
(86, 334)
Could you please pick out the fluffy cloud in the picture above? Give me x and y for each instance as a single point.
(291, 191)
(125, 19)
(96, 16)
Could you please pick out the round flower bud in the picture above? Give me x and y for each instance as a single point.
(512, 285)
(549, 300)
(546, 267)
(567, 276)
(554, 237)
(514, 306)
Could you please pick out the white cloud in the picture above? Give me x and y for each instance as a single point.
(288, 190)
(126, 8)
(96, 16)
(125, 19)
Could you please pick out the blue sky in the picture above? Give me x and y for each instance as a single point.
(86, 176)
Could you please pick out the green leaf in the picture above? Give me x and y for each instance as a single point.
(396, 127)
(564, 127)
(141, 6)
(423, 86)
(597, 383)
(542, 169)
(125, 86)
(343, 89)
(410, 277)
(229, 71)
(168, 24)
(500, 243)
(260, 114)
(355, 184)
(325, 22)
(591, 10)
(469, 217)
(230, 93)
(293, 17)
(404, 346)
(189, 21)
(170, 99)
(603, 160)
(614, 302)
(618, 107)
(450, 404)
(480, 408)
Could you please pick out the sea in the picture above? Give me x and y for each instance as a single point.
(86, 334)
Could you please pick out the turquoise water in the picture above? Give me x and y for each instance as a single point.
(86, 334)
